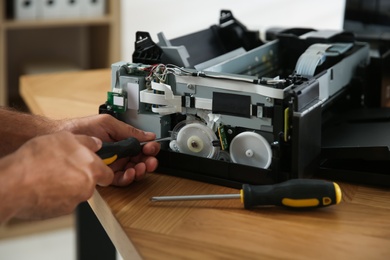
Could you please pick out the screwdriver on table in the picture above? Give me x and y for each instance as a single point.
(295, 193)
(111, 151)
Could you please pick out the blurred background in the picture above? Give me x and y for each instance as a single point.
(42, 36)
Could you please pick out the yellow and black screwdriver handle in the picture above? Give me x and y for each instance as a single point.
(296, 193)
(110, 152)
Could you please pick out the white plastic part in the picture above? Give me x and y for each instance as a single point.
(251, 149)
(173, 146)
(196, 139)
(195, 144)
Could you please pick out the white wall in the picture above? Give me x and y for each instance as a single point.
(180, 17)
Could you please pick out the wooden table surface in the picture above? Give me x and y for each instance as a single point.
(357, 228)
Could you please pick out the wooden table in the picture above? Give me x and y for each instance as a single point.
(357, 228)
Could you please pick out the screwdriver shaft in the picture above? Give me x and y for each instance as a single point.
(158, 140)
(197, 197)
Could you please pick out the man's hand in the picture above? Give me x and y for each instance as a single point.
(50, 175)
(104, 127)
(109, 129)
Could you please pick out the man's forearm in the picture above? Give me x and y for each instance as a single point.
(16, 128)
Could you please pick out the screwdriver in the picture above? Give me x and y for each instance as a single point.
(295, 193)
(111, 151)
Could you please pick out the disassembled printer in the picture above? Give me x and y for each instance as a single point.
(242, 110)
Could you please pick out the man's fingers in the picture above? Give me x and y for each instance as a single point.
(124, 178)
(151, 164)
(102, 173)
(92, 143)
(120, 130)
(104, 177)
(151, 149)
(142, 135)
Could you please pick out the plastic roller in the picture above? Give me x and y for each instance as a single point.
(251, 149)
(194, 138)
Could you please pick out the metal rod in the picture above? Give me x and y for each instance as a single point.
(158, 140)
(197, 197)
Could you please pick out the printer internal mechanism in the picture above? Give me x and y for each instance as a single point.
(238, 110)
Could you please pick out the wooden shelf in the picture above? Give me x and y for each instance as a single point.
(85, 43)
(12, 24)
